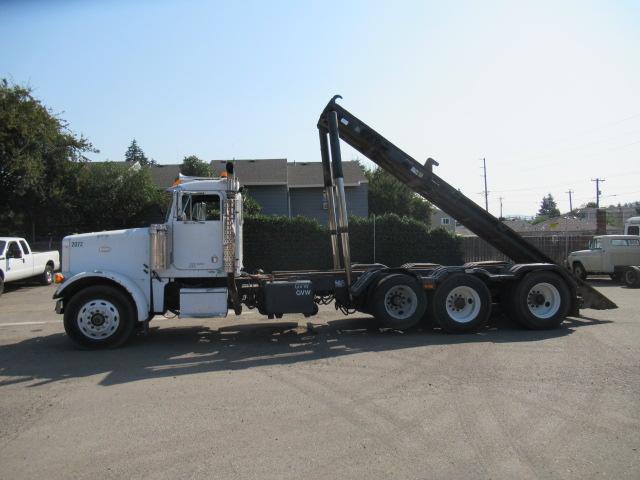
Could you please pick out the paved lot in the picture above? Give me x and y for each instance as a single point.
(243, 398)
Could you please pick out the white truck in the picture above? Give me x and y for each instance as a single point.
(115, 282)
(19, 262)
(632, 226)
(615, 255)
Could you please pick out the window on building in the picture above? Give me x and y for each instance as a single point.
(445, 221)
(325, 204)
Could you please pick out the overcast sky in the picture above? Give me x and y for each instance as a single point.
(547, 92)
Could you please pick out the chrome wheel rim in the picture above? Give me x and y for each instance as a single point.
(543, 300)
(400, 302)
(49, 275)
(98, 319)
(463, 304)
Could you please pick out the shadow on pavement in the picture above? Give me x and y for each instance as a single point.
(174, 351)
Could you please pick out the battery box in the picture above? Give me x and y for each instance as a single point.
(282, 296)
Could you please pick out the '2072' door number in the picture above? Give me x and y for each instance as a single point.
(76, 244)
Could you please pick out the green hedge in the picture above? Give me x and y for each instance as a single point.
(282, 243)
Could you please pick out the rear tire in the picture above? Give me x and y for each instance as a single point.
(579, 271)
(541, 301)
(461, 304)
(99, 317)
(631, 278)
(398, 301)
(1, 285)
(47, 276)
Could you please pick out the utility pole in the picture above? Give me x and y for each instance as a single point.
(570, 203)
(486, 192)
(598, 192)
(500, 208)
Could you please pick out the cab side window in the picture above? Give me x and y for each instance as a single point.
(200, 208)
(13, 251)
(25, 247)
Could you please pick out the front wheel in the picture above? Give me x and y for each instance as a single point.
(99, 317)
(541, 300)
(461, 303)
(398, 301)
(579, 271)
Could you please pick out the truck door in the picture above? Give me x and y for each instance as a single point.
(592, 261)
(197, 232)
(28, 258)
(17, 267)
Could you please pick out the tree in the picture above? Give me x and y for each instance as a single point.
(389, 195)
(591, 205)
(249, 205)
(135, 154)
(195, 167)
(548, 207)
(110, 195)
(38, 157)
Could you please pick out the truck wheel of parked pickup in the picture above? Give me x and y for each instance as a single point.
(461, 303)
(100, 317)
(47, 276)
(579, 271)
(398, 301)
(540, 300)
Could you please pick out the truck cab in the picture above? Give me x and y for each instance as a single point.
(632, 226)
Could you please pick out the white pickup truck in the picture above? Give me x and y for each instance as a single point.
(19, 262)
(614, 255)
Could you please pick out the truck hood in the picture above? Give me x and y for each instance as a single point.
(579, 252)
(124, 251)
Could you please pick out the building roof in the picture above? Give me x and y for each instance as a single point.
(267, 171)
(164, 175)
(272, 171)
(309, 174)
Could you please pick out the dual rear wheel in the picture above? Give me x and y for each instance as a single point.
(462, 302)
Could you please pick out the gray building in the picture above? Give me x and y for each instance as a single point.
(285, 188)
(439, 219)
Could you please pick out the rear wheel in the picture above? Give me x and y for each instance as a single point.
(398, 301)
(541, 300)
(1, 285)
(99, 317)
(631, 278)
(461, 303)
(579, 271)
(47, 276)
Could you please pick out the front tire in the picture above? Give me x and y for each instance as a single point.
(579, 271)
(541, 300)
(461, 304)
(100, 317)
(398, 301)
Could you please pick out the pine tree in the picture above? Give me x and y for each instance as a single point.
(135, 154)
(548, 207)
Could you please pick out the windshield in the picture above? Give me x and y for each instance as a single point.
(2, 244)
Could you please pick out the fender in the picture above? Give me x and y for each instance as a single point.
(138, 296)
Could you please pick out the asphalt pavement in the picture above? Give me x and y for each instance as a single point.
(324, 397)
